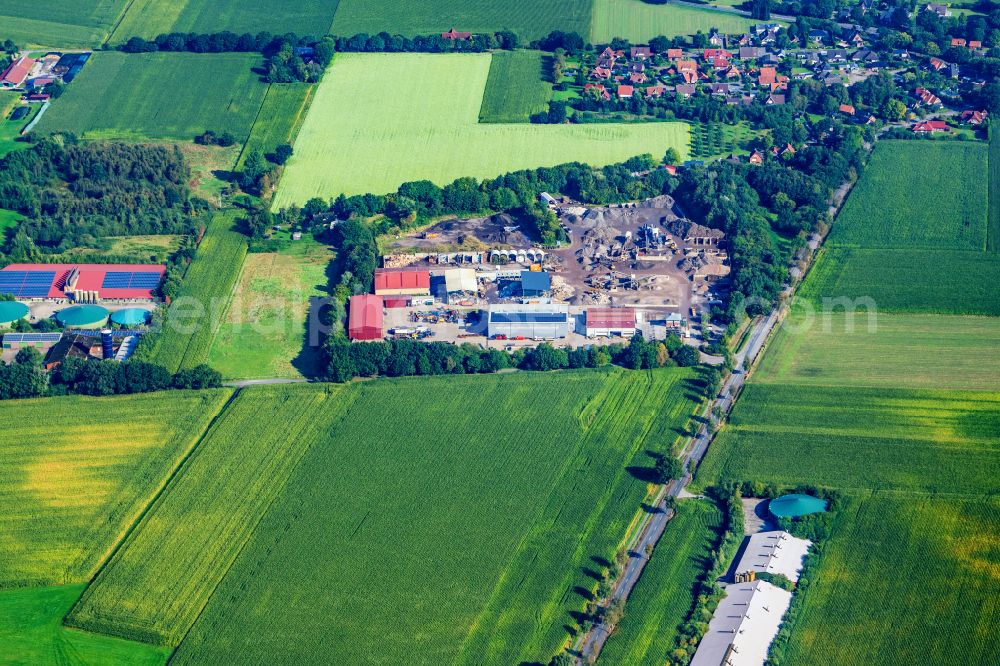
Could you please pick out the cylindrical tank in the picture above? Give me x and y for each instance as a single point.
(107, 344)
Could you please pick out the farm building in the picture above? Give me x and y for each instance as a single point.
(82, 283)
(545, 322)
(70, 346)
(365, 318)
(40, 341)
(610, 322)
(535, 284)
(744, 625)
(11, 312)
(402, 283)
(795, 505)
(83, 316)
(16, 74)
(776, 552)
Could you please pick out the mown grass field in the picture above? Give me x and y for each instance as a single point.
(160, 96)
(67, 23)
(11, 129)
(79, 471)
(904, 350)
(663, 597)
(515, 88)
(32, 632)
(196, 314)
(918, 194)
(905, 579)
(263, 333)
(149, 18)
(530, 19)
(858, 439)
(638, 21)
(8, 220)
(160, 579)
(908, 280)
(405, 117)
(280, 118)
(453, 517)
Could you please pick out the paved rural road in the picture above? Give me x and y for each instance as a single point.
(594, 641)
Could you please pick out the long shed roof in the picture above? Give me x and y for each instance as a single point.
(744, 625)
(776, 552)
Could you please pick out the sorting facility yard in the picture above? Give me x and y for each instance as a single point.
(438, 97)
(513, 519)
(160, 96)
(78, 471)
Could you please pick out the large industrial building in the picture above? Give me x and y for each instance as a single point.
(610, 322)
(774, 552)
(744, 625)
(82, 283)
(536, 284)
(402, 283)
(364, 317)
(532, 322)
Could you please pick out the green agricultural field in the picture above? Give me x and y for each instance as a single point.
(160, 96)
(194, 317)
(79, 471)
(638, 21)
(530, 19)
(8, 220)
(860, 439)
(32, 632)
(263, 333)
(918, 194)
(404, 117)
(280, 118)
(662, 599)
(515, 88)
(162, 576)
(993, 224)
(149, 18)
(11, 129)
(66, 24)
(454, 517)
(927, 281)
(903, 350)
(905, 579)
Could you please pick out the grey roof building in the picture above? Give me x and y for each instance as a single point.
(547, 322)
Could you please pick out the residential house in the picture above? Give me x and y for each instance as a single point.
(751, 52)
(975, 44)
(940, 10)
(454, 35)
(655, 91)
(625, 92)
(847, 109)
(597, 89)
(957, 41)
(927, 98)
(821, 36)
(719, 89)
(732, 72)
(766, 76)
(640, 53)
(756, 157)
(600, 73)
(937, 64)
(973, 117)
(930, 126)
(16, 74)
(685, 89)
(716, 39)
(675, 54)
(636, 78)
(788, 150)
(775, 100)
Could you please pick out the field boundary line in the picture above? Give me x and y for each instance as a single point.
(339, 415)
(155, 498)
(256, 119)
(118, 23)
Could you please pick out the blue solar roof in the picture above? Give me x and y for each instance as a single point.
(26, 284)
(32, 337)
(528, 317)
(537, 281)
(130, 280)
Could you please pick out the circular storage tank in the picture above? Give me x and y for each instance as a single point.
(130, 317)
(795, 505)
(10, 312)
(83, 316)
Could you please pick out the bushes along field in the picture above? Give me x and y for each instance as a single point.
(192, 320)
(450, 515)
(160, 579)
(918, 194)
(414, 116)
(160, 96)
(78, 471)
(280, 117)
(859, 439)
(515, 88)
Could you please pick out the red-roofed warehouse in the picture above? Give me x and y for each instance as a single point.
(86, 283)
(18, 71)
(364, 321)
(610, 322)
(402, 283)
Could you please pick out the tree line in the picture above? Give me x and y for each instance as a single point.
(27, 378)
(72, 194)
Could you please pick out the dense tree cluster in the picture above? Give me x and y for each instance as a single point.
(73, 194)
(26, 378)
(384, 42)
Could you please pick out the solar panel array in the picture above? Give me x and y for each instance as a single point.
(528, 317)
(130, 280)
(32, 337)
(26, 284)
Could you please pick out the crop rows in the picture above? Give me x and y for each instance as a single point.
(280, 117)
(662, 598)
(68, 23)
(195, 316)
(78, 471)
(918, 194)
(515, 88)
(159, 580)
(993, 224)
(906, 579)
(451, 517)
(639, 21)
